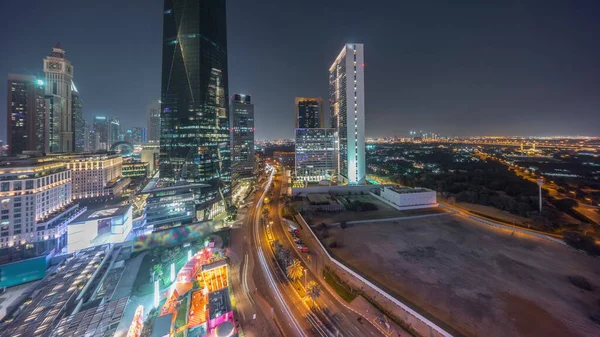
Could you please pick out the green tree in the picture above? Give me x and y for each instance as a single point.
(157, 271)
(295, 270)
(313, 291)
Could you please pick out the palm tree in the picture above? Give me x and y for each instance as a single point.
(313, 290)
(295, 270)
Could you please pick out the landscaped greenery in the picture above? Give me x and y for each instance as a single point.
(181, 318)
(338, 285)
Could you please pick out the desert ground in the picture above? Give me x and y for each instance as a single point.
(478, 280)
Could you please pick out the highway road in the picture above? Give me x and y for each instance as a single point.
(284, 302)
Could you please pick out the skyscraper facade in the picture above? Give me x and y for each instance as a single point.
(194, 138)
(59, 116)
(79, 127)
(309, 113)
(242, 137)
(25, 114)
(153, 122)
(100, 138)
(114, 131)
(316, 155)
(347, 106)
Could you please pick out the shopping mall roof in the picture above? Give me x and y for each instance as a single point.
(218, 303)
(102, 211)
(54, 294)
(100, 321)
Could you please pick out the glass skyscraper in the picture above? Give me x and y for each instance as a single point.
(242, 137)
(194, 139)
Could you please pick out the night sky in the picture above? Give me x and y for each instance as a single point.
(513, 67)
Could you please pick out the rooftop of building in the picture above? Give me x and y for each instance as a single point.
(405, 190)
(101, 211)
(155, 185)
(162, 325)
(219, 303)
(320, 199)
(99, 321)
(28, 162)
(48, 301)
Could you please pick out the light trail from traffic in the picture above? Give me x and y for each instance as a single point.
(263, 262)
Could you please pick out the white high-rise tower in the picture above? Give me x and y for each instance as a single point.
(347, 107)
(59, 114)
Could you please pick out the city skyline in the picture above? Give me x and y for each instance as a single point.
(446, 69)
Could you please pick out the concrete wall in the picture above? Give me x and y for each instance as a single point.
(403, 208)
(409, 199)
(421, 324)
(334, 189)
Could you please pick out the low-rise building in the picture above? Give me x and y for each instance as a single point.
(170, 206)
(407, 198)
(98, 226)
(134, 169)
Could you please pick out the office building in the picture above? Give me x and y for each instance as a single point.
(153, 122)
(150, 155)
(171, 206)
(59, 116)
(100, 134)
(79, 123)
(315, 145)
(25, 112)
(95, 176)
(316, 158)
(194, 138)
(36, 207)
(309, 113)
(114, 131)
(242, 137)
(347, 106)
(135, 169)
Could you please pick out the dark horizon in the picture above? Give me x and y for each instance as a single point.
(479, 69)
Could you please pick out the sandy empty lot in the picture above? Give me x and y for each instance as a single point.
(478, 280)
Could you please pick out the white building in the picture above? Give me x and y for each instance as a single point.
(347, 106)
(59, 114)
(409, 198)
(35, 204)
(110, 224)
(95, 175)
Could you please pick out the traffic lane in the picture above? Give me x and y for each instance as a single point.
(351, 324)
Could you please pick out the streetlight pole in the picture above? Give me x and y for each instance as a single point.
(540, 182)
(304, 278)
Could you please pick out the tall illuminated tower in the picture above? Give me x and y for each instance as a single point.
(194, 137)
(242, 137)
(347, 106)
(59, 115)
(25, 114)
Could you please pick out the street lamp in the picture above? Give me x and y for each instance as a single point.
(540, 182)
(304, 278)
